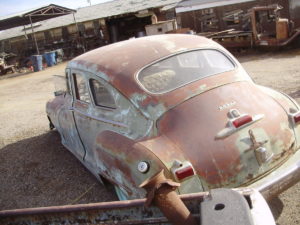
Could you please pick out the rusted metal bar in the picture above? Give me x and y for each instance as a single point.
(290, 39)
(120, 212)
(253, 24)
(161, 191)
(265, 8)
(219, 33)
(134, 212)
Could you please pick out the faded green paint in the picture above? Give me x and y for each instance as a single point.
(181, 124)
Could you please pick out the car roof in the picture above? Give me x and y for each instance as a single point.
(122, 60)
(136, 53)
(118, 63)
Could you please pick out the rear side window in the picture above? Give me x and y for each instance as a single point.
(68, 81)
(179, 70)
(81, 89)
(101, 95)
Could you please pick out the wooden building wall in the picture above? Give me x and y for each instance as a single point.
(73, 39)
(66, 38)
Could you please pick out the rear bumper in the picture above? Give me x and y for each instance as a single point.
(280, 179)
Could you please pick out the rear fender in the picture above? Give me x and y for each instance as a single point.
(288, 104)
(117, 159)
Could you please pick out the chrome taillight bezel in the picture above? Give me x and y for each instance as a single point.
(179, 166)
(292, 119)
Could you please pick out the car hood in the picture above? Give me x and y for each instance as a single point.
(189, 132)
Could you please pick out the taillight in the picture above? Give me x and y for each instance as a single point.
(184, 172)
(296, 118)
(237, 120)
(240, 121)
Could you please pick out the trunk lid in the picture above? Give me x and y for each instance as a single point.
(197, 127)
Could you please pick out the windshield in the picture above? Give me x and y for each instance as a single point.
(181, 69)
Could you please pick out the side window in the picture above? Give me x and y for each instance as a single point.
(101, 95)
(81, 88)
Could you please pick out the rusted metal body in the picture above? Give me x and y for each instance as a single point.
(220, 16)
(189, 129)
(242, 39)
(237, 205)
(266, 29)
(269, 29)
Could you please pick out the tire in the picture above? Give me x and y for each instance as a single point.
(51, 126)
(122, 196)
(2, 71)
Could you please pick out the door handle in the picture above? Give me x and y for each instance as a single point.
(71, 109)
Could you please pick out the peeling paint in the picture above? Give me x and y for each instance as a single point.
(181, 124)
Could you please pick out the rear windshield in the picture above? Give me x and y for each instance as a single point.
(181, 69)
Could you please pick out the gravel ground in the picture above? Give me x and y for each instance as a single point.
(36, 170)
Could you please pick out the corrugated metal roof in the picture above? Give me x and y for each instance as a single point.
(191, 5)
(28, 11)
(36, 14)
(103, 10)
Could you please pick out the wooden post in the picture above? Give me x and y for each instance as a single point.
(36, 45)
(76, 24)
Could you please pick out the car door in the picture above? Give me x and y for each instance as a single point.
(109, 124)
(67, 125)
(94, 112)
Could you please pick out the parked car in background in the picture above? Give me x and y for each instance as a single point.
(178, 103)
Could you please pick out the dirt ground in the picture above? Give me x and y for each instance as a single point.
(36, 170)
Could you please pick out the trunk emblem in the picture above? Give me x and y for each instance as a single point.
(227, 105)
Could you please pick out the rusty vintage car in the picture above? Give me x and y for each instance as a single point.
(178, 103)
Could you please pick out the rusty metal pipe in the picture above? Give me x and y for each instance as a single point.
(161, 191)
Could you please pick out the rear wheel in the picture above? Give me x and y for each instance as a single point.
(121, 194)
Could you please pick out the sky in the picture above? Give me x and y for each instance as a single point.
(14, 6)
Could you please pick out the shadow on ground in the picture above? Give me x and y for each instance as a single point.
(276, 206)
(39, 171)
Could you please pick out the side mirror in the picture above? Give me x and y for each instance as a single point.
(60, 84)
(58, 93)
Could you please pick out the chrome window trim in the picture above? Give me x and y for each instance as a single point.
(93, 99)
(87, 79)
(73, 73)
(178, 53)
